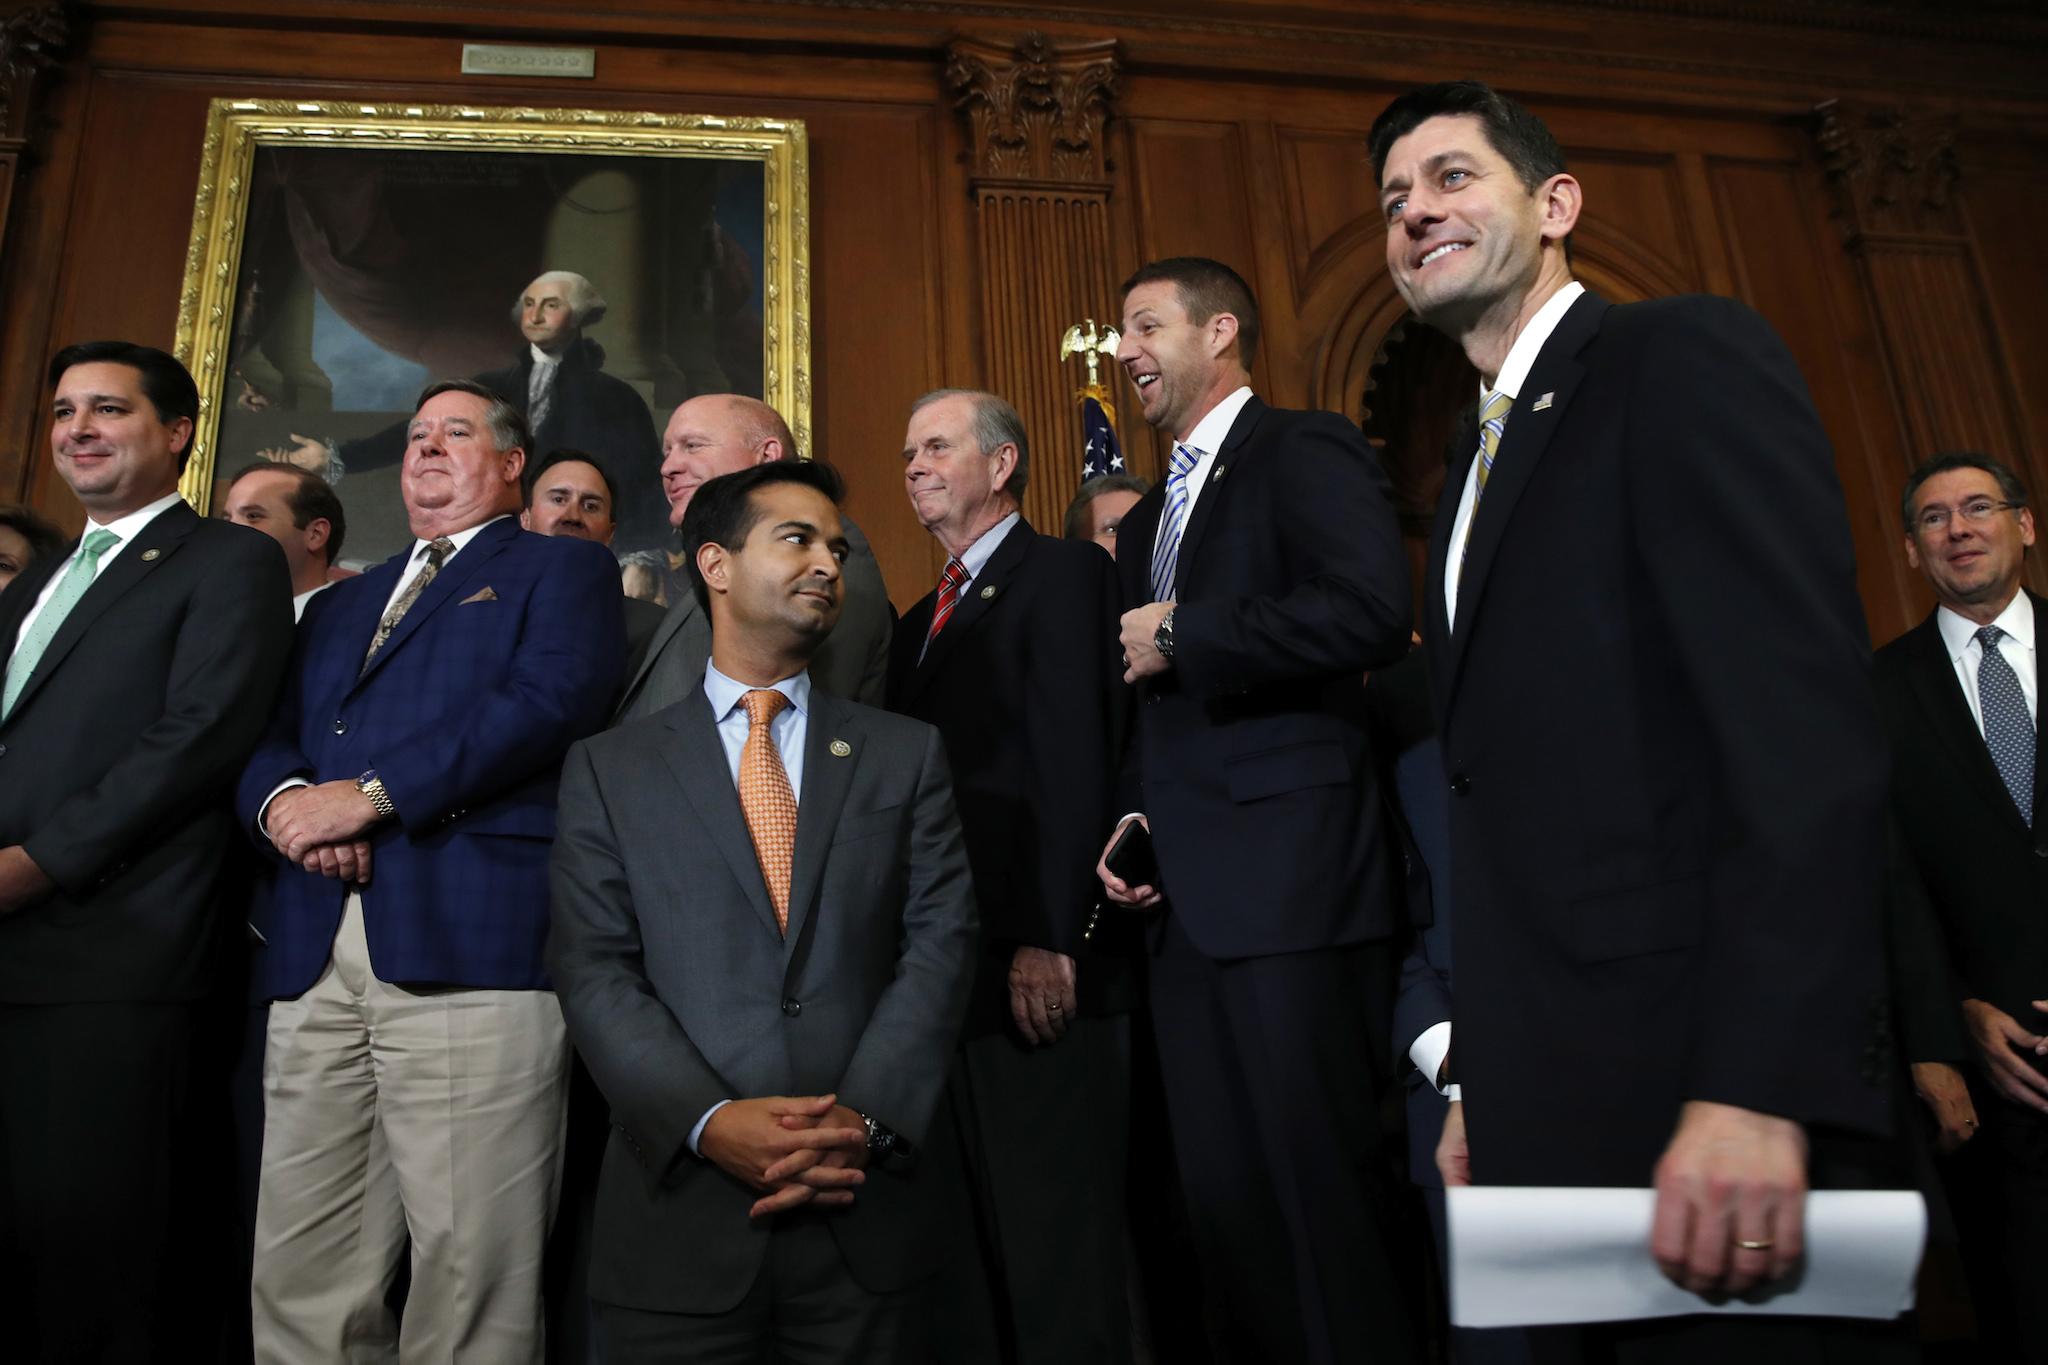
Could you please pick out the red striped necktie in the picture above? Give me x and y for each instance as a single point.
(950, 583)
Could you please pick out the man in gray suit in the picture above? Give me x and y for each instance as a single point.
(763, 939)
(722, 433)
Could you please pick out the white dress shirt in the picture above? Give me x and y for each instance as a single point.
(1207, 438)
(540, 383)
(790, 726)
(299, 601)
(1513, 370)
(1959, 633)
(1427, 1051)
(127, 528)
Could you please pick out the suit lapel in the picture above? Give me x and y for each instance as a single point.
(460, 572)
(1551, 381)
(678, 615)
(975, 603)
(1954, 729)
(1457, 466)
(152, 548)
(828, 776)
(696, 757)
(1212, 491)
(1140, 527)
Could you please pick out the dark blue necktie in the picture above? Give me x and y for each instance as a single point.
(2008, 725)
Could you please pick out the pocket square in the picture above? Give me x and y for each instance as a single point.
(480, 595)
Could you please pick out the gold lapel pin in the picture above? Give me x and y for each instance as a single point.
(1217, 477)
(988, 592)
(151, 556)
(840, 748)
(1542, 403)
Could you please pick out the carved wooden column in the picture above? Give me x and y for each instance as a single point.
(1035, 112)
(1893, 172)
(30, 40)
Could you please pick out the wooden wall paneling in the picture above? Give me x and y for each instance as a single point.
(31, 41)
(2004, 198)
(1035, 113)
(1789, 267)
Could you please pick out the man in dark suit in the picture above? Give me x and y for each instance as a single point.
(1652, 693)
(723, 433)
(141, 664)
(1959, 696)
(569, 493)
(763, 937)
(1013, 657)
(408, 783)
(1256, 604)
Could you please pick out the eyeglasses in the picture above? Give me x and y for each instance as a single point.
(1976, 512)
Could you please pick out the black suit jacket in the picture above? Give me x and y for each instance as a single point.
(1025, 685)
(117, 763)
(1971, 884)
(679, 992)
(1250, 756)
(1666, 771)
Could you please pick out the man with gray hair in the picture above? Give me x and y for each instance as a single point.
(558, 383)
(1013, 658)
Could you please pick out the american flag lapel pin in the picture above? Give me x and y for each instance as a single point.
(1542, 403)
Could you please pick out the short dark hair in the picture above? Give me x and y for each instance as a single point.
(1519, 136)
(722, 511)
(1207, 288)
(311, 497)
(1077, 510)
(2009, 486)
(566, 456)
(165, 382)
(42, 535)
(509, 430)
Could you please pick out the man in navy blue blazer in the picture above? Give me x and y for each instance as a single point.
(416, 1058)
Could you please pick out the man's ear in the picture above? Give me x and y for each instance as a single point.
(526, 518)
(714, 562)
(319, 529)
(515, 464)
(771, 451)
(181, 435)
(1005, 456)
(1912, 551)
(1562, 199)
(1222, 334)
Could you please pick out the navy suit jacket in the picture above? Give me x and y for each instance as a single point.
(511, 654)
(1250, 760)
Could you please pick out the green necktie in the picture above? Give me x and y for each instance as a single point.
(22, 666)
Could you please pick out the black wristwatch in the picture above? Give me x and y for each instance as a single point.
(1162, 639)
(883, 1141)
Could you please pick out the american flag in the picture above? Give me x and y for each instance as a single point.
(1099, 452)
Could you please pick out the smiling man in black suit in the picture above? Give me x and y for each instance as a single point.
(1959, 695)
(141, 666)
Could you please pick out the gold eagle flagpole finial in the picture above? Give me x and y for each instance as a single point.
(1091, 344)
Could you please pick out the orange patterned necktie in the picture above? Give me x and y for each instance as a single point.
(766, 798)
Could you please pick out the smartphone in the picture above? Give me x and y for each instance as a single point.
(1131, 856)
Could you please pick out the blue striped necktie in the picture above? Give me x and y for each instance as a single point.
(2008, 725)
(1166, 550)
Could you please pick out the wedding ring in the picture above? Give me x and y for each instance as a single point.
(1764, 1245)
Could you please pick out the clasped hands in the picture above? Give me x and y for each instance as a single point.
(321, 828)
(1731, 1195)
(795, 1150)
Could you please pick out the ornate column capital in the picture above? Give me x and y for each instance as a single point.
(1035, 109)
(1892, 170)
(30, 42)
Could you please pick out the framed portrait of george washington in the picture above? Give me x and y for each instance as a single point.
(593, 267)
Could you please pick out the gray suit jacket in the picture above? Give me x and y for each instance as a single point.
(853, 663)
(679, 992)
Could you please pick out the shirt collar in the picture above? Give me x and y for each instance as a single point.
(975, 557)
(1523, 353)
(2017, 620)
(542, 358)
(459, 538)
(724, 693)
(1213, 430)
(130, 526)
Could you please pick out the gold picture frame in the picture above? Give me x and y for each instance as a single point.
(407, 232)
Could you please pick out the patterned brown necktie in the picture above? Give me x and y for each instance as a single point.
(438, 549)
(767, 800)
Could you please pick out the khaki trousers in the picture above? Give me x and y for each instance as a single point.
(390, 1112)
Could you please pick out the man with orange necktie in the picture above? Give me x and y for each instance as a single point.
(763, 931)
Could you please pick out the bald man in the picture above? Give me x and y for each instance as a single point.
(722, 433)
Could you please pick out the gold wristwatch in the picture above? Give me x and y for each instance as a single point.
(372, 786)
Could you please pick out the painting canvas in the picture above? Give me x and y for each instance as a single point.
(594, 268)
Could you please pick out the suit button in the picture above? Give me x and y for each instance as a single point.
(340, 726)
(792, 1007)
(3, 751)
(2041, 852)
(1460, 784)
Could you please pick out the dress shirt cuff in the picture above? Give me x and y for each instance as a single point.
(1455, 1093)
(263, 811)
(1428, 1052)
(697, 1133)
